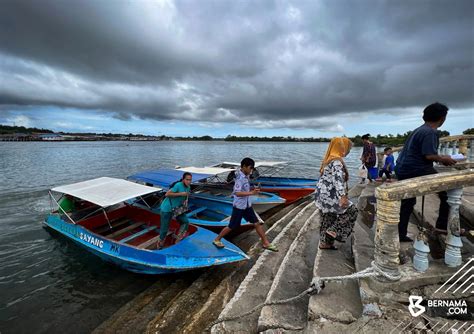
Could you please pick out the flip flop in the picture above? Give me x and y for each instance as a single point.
(330, 236)
(218, 244)
(331, 247)
(271, 247)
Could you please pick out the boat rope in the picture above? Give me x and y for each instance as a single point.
(316, 286)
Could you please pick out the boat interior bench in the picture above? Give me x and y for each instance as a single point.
(196, 211)
(123, 230)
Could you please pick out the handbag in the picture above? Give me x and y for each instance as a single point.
(179, 210)
(362, 172)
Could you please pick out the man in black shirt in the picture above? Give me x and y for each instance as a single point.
(416, 159)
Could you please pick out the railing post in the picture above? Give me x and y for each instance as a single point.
(455, 147)
(387, 243)
(463, 147)
(445, 148)
(471, 151)
(452, 255)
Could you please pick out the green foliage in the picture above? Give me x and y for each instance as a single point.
(469, 131)
(6, 130)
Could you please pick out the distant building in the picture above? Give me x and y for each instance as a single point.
(50, 137)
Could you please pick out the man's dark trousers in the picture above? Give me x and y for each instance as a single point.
(406, 208)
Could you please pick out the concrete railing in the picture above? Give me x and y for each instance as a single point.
(463, 144)
(387, 245)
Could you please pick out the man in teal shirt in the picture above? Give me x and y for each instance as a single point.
(175, 197)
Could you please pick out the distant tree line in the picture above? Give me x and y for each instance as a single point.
(276, 139)
(390, 140)
(6, 130)
(378, 140)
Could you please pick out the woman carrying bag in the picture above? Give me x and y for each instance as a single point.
(338, 214)
(175, 205)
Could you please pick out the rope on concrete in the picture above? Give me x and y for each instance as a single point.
(310, 291)
(317, 285)
(371, 271)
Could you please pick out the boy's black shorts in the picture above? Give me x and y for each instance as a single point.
(237, 214)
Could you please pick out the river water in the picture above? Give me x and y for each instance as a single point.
(48, 284)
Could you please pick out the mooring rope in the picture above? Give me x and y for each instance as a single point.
(317, 285)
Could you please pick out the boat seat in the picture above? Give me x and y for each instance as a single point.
(123, 230)
(195, 212)
(139, 233)
(115, 223)
(152, 241)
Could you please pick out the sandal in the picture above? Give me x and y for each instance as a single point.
(330, 236)
(218, 244)
(271, 247)
(330, 247)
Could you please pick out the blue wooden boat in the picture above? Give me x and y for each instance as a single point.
(207, 184)
(262, 202)
(291, 189)
(106, 225)
(265, 171)
(210, 213)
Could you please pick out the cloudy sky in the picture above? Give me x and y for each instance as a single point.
(299, 68)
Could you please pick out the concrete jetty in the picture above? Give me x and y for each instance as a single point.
(369, 282)
(193, 302)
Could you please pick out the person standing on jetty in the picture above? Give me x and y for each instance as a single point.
(338, 214)
(242, 206)
(369, 157)
(416, 159)
(175, 198)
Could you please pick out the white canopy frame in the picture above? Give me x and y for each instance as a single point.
(100, 192)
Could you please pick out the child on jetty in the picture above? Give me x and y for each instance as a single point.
(242, 206)
(388, 165)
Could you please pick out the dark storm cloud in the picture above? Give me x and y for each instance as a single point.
(235, 61)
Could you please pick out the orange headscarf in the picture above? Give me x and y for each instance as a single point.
(338, 148)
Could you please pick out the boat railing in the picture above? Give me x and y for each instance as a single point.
(389, 196)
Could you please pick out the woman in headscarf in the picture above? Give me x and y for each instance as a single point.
(338, 214)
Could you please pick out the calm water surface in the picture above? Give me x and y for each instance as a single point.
(48, 284)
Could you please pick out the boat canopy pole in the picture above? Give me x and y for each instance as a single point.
(60, 208)
(106, 217)
(91, 213)
(144, 202)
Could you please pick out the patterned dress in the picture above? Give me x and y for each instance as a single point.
(331, 187)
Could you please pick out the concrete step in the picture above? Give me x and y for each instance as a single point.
(293, 277)
(254, 288)
(338, 301)
(206, 298)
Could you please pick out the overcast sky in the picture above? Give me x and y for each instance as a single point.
(301, 68)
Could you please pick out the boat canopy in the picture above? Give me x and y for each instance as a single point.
(165, 177)
(105, 191)
(206, 170)
(261, 163)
